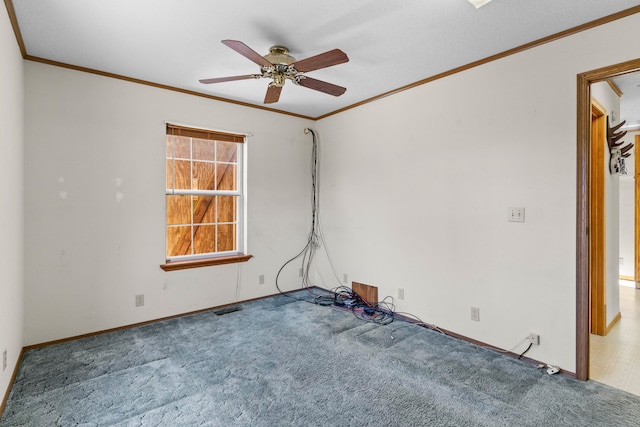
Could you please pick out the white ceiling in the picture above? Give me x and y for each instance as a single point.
(390, 43)
(629, 85)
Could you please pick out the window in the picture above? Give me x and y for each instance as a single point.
(204, 196)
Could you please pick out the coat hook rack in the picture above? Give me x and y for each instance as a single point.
(617, 149)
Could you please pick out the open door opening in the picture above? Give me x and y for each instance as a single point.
(584, 202)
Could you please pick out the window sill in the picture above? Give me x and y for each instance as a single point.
(204, 262)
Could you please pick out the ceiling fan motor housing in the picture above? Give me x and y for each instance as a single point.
(279, 55)
(281, 68)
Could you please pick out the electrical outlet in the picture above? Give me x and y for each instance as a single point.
(345, 278)
(621, 261)
(401, 293)
(475, 314)
(533, 338)
(261, 279)
(139, 300)
(4, 360)
(300, 272)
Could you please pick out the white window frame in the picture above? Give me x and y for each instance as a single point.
(240, 193)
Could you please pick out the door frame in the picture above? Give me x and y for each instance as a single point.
(636, 210)
(598, 221)
(584, 81)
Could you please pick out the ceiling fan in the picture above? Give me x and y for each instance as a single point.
(279, 66)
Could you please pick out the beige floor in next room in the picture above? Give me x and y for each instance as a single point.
(615, 358)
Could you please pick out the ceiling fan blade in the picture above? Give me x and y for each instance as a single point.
(247, 52)
(273, 94)
(321, 86)
(230, 79)
(323, 60)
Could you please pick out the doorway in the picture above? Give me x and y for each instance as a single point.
(584, 203)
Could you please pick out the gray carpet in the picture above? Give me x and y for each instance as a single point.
(281, 362)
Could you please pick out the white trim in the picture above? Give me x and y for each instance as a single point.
(172, 192)
(241, 213)
(201, 256)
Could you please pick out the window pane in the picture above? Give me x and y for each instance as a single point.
(226, 152)
(227, 208)
(178, 210)
(203, 149)
(204, 210)
(179, 146)
(169, 146)
(182, 175)
(178, 241)
(203, 176)
(204, 239)
(169, 173)
(227, 237)
(226, 176)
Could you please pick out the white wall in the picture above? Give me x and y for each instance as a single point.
(416, 186)
(11, 214)
(627, 225)
(608, 99)
(88, 138)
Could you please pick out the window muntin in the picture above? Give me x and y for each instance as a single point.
(204, 195)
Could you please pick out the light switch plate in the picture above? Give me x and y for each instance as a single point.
(516, 215)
